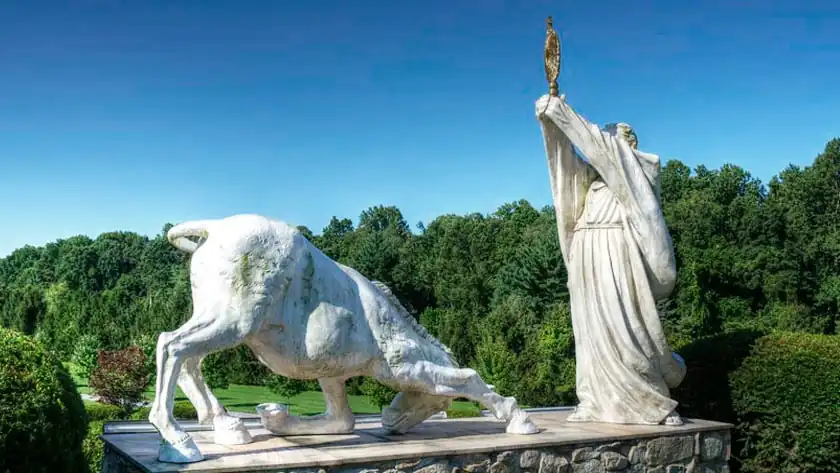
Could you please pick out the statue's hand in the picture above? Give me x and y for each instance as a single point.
(544, 103)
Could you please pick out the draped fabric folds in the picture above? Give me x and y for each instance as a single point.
(620, 261)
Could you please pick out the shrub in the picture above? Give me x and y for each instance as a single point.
(148, 344)
(84, 356)
(285, 387)
(787, 398)
(705, 392)
(181, 410)
(463, 413)
(42, 416)
(353, 386)
(497, 364)
(120, 377)
(93, 447)
(781, 391)
(101, 412)
(380, 395)
(548, 363)
(214, 369)
(235, 366)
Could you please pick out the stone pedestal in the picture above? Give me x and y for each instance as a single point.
(475, 445)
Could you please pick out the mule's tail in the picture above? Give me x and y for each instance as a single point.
(178, 235)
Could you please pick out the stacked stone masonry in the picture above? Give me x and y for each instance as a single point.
(702, 452)
(697, 453)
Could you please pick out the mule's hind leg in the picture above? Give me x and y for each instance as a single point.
(198, 337)
(464, 382)
(338, 419)
(411, 408)
(227, 430)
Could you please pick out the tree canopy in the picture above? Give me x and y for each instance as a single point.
(492, 287)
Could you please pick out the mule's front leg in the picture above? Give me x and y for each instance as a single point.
(338, 419)
(463, 382)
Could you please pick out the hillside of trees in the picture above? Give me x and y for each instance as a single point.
(492, 287)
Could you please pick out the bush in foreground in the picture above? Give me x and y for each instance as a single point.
(781, 391)
(42, 416)
(786, 395)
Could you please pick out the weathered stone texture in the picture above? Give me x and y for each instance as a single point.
(669, 450)
(705, 452)
(529, 459)
(552, 463)
(613, 461)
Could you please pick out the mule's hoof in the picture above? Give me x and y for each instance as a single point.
(521, 424)
(230, 431)
(183, 451)
(274, 416)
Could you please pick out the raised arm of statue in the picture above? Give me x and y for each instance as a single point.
(596, 145)
(632, 176)
(570, 179)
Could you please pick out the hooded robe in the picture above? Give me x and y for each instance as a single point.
(620, 261)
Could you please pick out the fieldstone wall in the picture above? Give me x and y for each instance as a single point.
(114, 462)
(705, 452)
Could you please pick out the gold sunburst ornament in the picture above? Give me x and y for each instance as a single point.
(552, 57)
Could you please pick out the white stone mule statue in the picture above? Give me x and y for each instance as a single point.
(259, 282)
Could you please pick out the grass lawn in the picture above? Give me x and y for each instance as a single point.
(245, 399)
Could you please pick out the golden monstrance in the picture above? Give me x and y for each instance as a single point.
(552, 57)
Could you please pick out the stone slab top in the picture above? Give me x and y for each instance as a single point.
(370, 444)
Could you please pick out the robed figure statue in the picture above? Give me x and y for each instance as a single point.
(620, 262)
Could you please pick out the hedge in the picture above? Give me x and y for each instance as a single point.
(42, 416)
(705, 391)
(781, 391)
(181, 410)
(787, 397)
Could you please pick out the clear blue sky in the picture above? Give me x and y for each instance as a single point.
(126, 115)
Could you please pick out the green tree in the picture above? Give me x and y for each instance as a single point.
(85, 356)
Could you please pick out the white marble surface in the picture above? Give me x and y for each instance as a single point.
(259, 282)
(620, 261)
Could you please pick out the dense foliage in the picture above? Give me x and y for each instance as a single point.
(287, 387)
(85, 353)
(780, 390)
(751, 258)
(42, 416)
(787, 399)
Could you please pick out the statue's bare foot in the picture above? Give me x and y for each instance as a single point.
(580, 415)
(673, 419)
